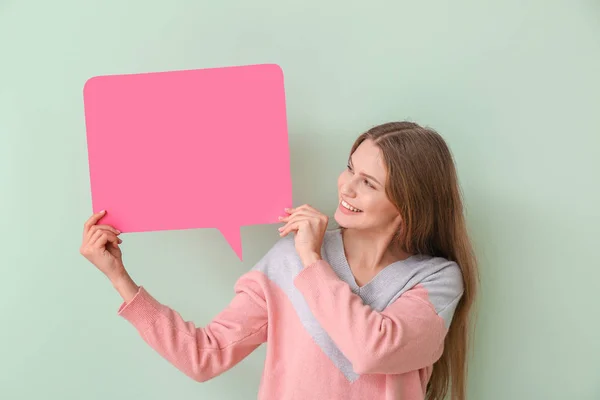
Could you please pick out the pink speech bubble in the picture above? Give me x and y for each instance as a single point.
(189, 149)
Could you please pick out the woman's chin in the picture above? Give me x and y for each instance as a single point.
(339, 218)
(343, 220)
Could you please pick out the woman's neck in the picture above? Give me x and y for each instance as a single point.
(371, 250)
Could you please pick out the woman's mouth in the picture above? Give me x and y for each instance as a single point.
(347, 208)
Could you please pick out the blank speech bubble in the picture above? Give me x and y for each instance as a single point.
(204, 148)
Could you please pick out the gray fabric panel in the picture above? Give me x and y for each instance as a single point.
(439, 276)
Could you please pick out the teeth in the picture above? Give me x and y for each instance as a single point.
(349, 207)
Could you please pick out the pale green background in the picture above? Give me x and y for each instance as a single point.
(514, 86)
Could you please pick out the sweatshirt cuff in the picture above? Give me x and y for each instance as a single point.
(313, 275)
(141, 311)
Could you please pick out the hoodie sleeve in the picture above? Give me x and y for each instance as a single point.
(407, 335)
(203, 352)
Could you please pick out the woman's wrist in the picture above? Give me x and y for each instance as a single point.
(126, 287)
(310, 259)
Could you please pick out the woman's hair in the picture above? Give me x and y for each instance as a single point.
(423, 185)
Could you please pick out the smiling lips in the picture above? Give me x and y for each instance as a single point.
(348, 206)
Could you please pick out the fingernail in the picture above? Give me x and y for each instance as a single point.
(280, 229)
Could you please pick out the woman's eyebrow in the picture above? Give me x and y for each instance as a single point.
(363, 174)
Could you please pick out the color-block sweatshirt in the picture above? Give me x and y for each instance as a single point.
(327, 337)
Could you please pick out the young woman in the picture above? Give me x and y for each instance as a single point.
(377, 308)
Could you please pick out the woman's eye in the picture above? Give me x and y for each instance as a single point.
(349, 167)
(368, 183)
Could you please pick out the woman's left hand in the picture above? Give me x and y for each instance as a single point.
(309, 226)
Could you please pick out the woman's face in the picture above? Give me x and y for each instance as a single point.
(361, 187)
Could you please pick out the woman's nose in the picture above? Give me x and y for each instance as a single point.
(347, 190)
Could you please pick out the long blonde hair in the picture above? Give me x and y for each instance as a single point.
(423, 185)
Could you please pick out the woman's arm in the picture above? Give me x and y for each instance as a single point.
(408, 335)
(200, 352)
(126, 287)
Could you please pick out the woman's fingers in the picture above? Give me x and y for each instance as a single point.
(101, 237)
(300, 213)
(92, 224)
(97, 239)
(289, 227)
(93, 220)
(107, 228)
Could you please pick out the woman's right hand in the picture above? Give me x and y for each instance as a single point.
(100, 246)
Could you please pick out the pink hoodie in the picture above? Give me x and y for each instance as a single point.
(328, 338)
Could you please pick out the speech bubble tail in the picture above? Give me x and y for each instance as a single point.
(234, 238)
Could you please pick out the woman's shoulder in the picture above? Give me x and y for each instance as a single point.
(282, 248)
(282, 257)
(436, 270)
